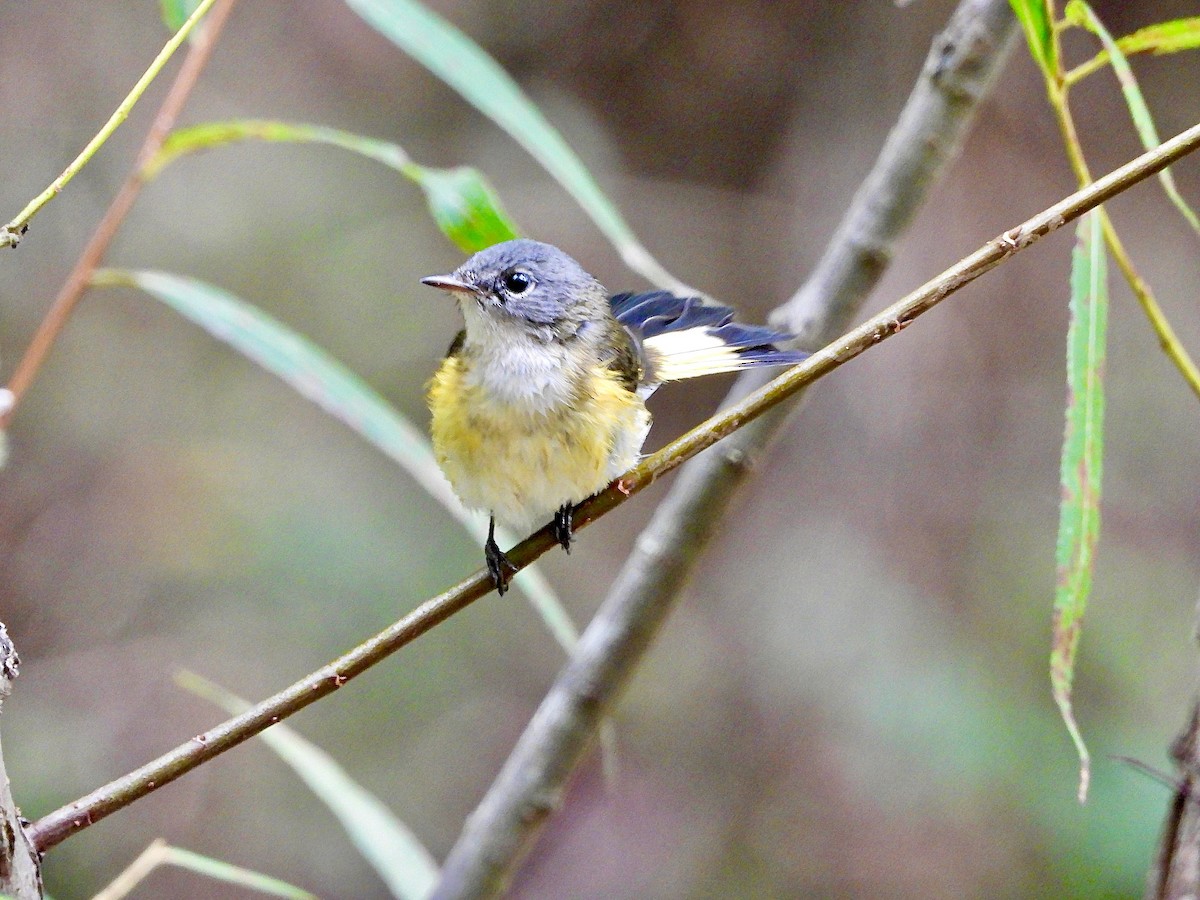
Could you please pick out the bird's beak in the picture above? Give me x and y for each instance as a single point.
(449, 283)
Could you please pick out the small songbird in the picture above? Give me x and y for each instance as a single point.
(540, 401)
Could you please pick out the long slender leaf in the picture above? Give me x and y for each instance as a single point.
(223, 871)
(462, 202)
(1082, 458)
(1163, 37)
(406, 867)
(209, 135)
(160, 853)
(326, 382)
(1034, 16)
(467, 68)
(1082, 14)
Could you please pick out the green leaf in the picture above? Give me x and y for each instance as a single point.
(209, 135)
(1082, 14)
(1082, 458)
(318, 377)
(160, 853)
(1036, 22)
(464, 207)
(223, 871)
(176, 12)
(406, 867)
(461, 201)
(466, 67)
(1165, 37)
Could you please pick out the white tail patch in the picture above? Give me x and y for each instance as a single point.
(690, 353)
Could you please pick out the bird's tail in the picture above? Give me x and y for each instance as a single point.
(683, 337)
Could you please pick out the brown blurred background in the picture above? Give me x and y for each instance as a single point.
(852, 698)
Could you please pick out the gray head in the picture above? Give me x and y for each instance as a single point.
(530, 283)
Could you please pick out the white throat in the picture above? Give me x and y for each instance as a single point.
(515, 367)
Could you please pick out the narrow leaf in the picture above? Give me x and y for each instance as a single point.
(160, 853)
(209, 135)
(1164, 37)
(1034, 16)
(461, 201)
(467, 68)
(231, 874)
(405, 866)
(1082, 14)
(1082, 457)
(318, 377)
(464, 207)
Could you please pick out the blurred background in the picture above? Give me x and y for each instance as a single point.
(852, 698)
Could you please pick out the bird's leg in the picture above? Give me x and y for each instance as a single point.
(498, 565)
(563, 526)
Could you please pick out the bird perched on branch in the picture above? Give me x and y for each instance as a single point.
(540, 401)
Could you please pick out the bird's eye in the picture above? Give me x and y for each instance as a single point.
(516, 282)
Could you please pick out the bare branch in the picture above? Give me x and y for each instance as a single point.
(20, 870)
(1176, 873)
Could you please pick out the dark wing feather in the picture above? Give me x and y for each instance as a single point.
(735, 334)
(658, 312)
(646, 316)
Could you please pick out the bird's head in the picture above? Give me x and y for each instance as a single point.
(523, 284)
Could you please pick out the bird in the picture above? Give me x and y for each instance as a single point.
(540, 401)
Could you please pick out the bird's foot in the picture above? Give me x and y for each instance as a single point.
(499, 566)
(563, 527)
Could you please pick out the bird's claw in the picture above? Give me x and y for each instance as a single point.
(564, 527)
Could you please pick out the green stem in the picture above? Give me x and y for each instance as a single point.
(10, 234)
(77, 281)
(1058, 93)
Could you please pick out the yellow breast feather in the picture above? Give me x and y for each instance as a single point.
(523, 463)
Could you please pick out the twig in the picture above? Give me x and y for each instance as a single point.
(77, 281)
(10, 234)
(61, 823)
(961, 64)
(1176, 872)
(20, 871)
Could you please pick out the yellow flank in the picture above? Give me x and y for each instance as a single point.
(522, 462)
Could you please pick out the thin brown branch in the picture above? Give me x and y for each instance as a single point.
(62, 823)
(93, 252)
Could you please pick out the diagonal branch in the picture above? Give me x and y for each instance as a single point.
(597, 695)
